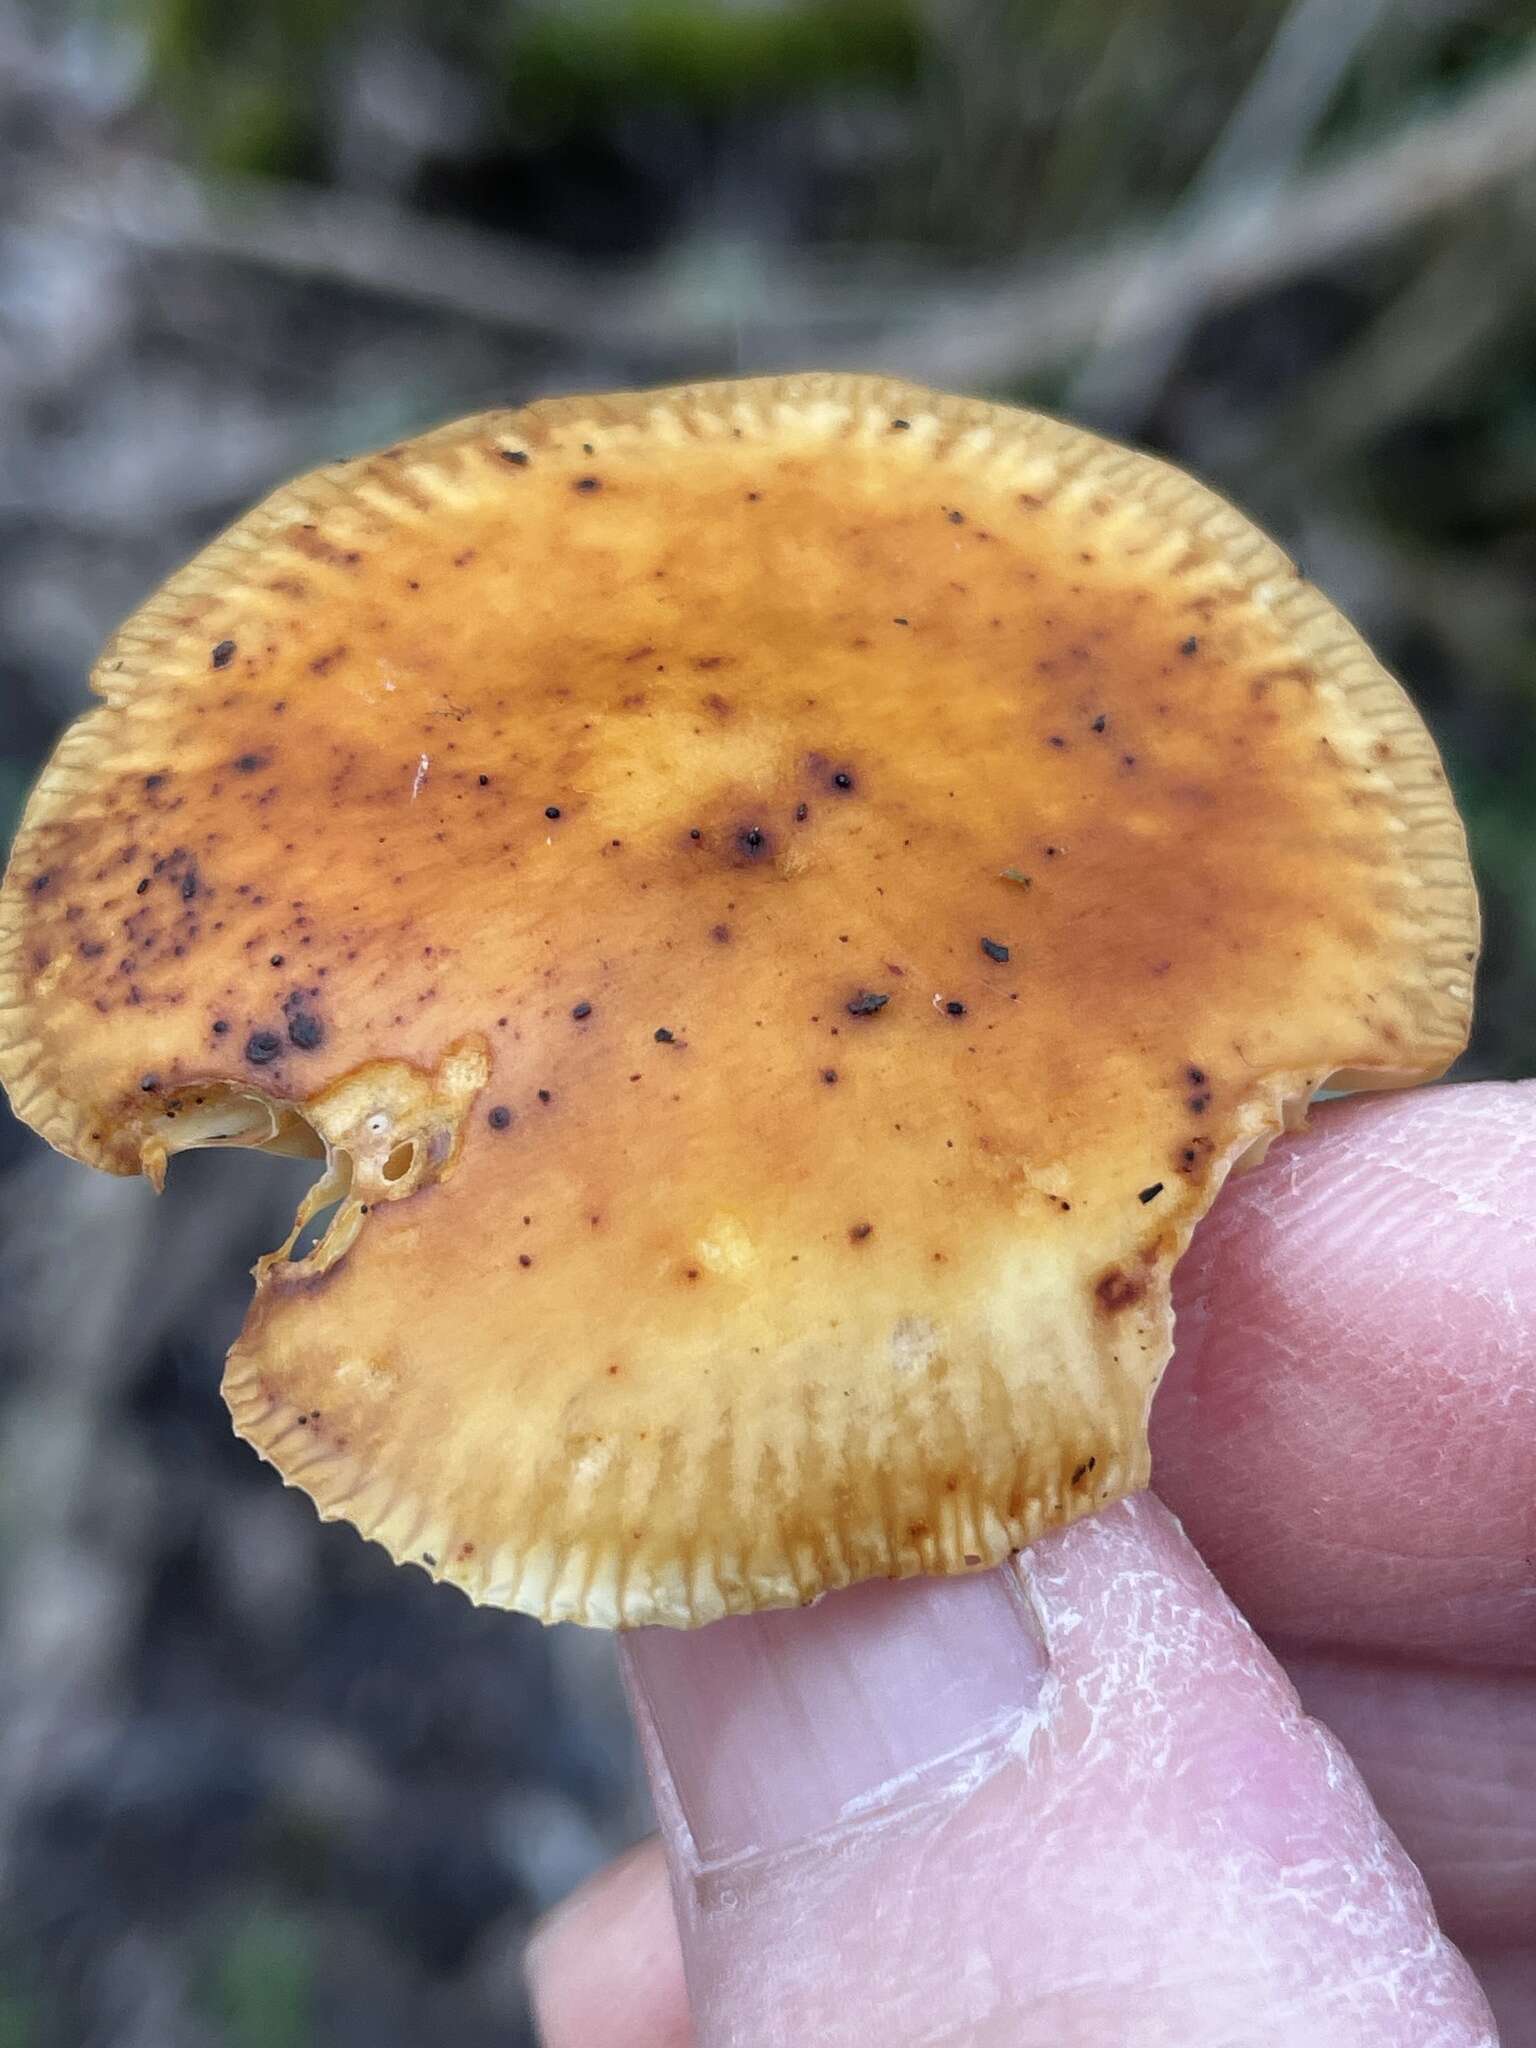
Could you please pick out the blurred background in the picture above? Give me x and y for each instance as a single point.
(258, 1788)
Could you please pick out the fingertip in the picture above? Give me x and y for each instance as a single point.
(1349, 1423)
(1153, 1845)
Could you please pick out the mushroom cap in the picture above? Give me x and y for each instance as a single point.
(780, 903)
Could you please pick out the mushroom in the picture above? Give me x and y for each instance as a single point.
(778, 904)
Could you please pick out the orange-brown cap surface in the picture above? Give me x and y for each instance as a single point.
(781, 902)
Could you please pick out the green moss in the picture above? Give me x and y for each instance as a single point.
(583, 60)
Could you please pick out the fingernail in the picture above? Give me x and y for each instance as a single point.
(775, 1727)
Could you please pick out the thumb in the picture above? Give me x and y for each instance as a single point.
(1070, 1801)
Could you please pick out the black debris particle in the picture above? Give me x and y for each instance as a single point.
(663, 1036)
(251, 764)
(141, 888)
(802, 812)
(263, 1047)
(996, 950)
(150, 1083)
(1151, 1194)
(857, 1232)
(900, 426)
(842, 779)
(1100, 724)
(189, 885)
(1191, 645)
(588, 483)
(551, 810)
(276, 960)
(901, 622)
(545, 1096)
(754, 842)
(222, 655)
(499, 1118)
(954, 1009)
(484, 781)
(956, 518)
(220, 1026)
(829, 1075)
(582, 1010)
(866, 1003)
(518, 457)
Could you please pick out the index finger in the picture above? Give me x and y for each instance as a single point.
(1348, 1429)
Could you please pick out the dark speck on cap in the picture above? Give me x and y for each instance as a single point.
(262, 1048)
(223, 654)
(305, 1031)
